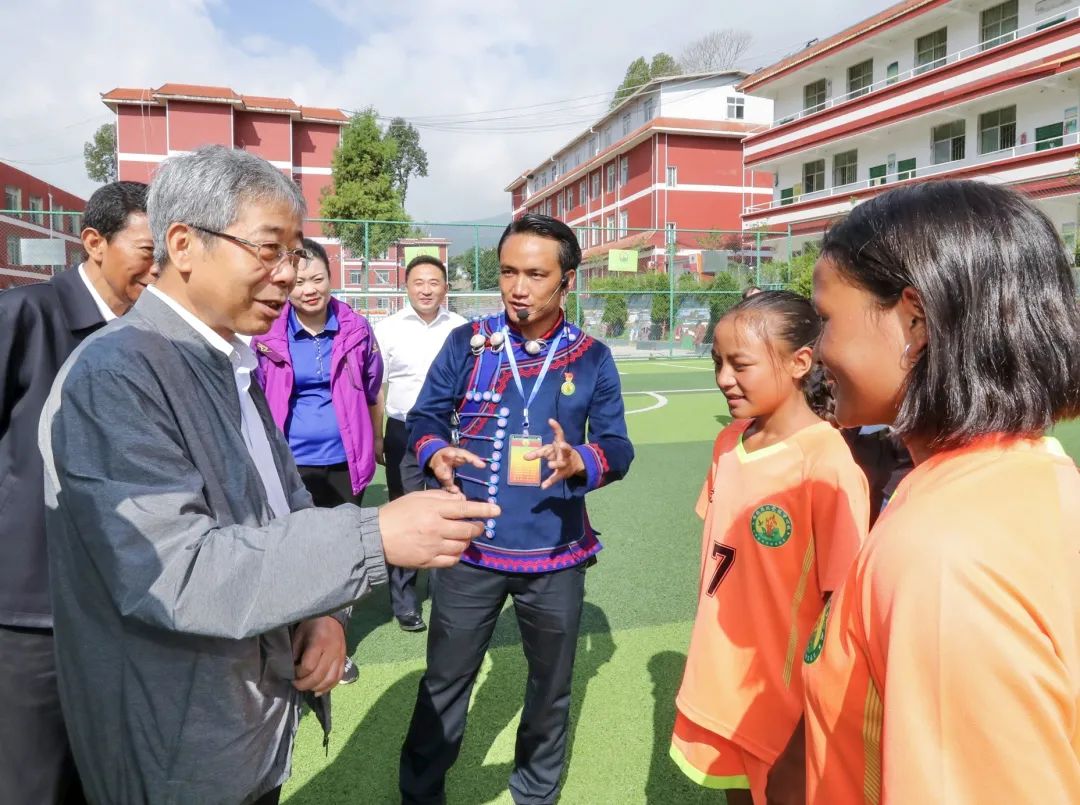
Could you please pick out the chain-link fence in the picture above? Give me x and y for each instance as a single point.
(35, 244)
(644, 291)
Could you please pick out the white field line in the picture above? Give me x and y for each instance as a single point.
(674, 391)
(682, 367)
(661, 401)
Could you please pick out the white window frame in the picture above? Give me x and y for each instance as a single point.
(596, 185)
(854, 167)
(10, 191)
(13, 256)
(736, 108)
(583, 192)
(671, 233)
(624, 223)
(37, 210)
(649, 108)
(356, 276)
(624, 171)
(627, 122)
(672, 175)
(609, 229)
(610, 185)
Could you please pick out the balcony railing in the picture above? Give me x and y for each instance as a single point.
(1020, 33)
(1048, 144)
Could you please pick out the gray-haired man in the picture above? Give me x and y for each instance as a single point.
(193, 581)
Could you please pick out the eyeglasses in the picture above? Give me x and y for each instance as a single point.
(271, 255)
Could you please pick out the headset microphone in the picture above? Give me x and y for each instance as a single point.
(523, 315)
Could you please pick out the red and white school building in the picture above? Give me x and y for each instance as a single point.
(153, 124)
(34, 210)
(665, 160)
(925, 89)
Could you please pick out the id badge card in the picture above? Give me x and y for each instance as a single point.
(522, 472)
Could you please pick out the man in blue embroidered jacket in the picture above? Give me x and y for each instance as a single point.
(525, 409)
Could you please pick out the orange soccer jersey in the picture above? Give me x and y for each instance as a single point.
(782, 526)
(947, 668)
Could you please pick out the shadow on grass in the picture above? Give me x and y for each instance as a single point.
(667, 784)
(366, 770)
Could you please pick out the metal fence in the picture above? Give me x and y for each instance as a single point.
(34, 244)
(644, 291)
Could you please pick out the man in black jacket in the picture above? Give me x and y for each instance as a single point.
(40, 326)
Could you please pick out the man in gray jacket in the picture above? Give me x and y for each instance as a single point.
(193, 583)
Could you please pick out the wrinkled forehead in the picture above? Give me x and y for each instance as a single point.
(270, 221)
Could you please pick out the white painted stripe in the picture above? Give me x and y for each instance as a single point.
(676, 391)
(126, 157)
(691, 188)
(661, 401)
(14, 272)
(678, 366)
(314, 171)
(1023, 173)
(40, 230)
(1062, 47)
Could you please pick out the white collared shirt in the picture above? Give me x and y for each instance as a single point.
(409, 345)
(103, 309)
(242, 359)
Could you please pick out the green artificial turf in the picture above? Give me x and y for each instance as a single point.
(640, 601)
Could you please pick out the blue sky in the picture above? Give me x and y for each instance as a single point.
(420, 59)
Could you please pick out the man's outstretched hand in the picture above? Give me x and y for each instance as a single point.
(445, 461)
(432, 528)
(563, 460)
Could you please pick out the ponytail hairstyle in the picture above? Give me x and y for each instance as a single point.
(787, 318)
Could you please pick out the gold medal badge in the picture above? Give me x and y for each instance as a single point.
(568, 387)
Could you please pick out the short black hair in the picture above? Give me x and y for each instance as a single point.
(547, 227)
(790, 318)
(997, 289)
(425, 260)
(317, 248)
(108, 209)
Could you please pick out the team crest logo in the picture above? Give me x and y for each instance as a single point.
(817, 637)
(770, 526)
(568, 387)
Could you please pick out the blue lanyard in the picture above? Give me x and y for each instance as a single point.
(539, 378)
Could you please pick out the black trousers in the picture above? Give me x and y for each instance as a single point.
(403, 475)
(36, 765)
(330, 485)
(466, 602)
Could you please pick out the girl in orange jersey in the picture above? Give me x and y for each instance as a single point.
(785, 510)
(947, 667)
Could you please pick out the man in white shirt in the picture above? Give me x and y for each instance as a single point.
(196, 590)
(40, 325)
(409, 341)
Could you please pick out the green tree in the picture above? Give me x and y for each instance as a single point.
(663, 64)
(410, 159)
(363, 188)
(641, 72)
(801, 270)
(616, 312)
(723, 294)
(465, 264)
(99, 153)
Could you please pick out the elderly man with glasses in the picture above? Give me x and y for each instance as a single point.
(196, 591)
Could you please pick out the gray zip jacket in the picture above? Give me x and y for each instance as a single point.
(173, 586)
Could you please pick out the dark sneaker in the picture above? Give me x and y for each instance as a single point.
(351, 674)
(412, 622)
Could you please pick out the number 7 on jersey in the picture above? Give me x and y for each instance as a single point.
(726, 555)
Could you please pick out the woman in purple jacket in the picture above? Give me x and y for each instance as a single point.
(322, 373)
